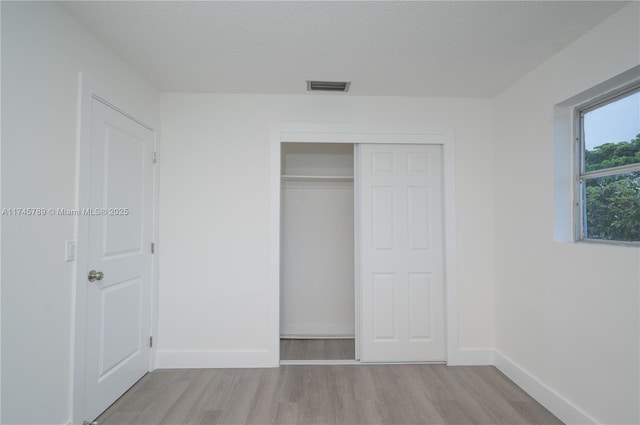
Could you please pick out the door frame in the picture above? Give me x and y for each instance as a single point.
(359, 134)
(88, 90)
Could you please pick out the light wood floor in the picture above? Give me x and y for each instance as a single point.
(374, 394)
(317, 349)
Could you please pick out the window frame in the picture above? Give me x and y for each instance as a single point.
(581, 177)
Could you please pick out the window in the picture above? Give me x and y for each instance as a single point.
(609, 168)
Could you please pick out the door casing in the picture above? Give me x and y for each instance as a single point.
(87, 91)
(360, 134)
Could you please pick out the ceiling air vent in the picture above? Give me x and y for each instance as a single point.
(328, 85)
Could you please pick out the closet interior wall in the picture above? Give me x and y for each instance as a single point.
(317, 241)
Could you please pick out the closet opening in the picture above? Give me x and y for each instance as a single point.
(317, 260)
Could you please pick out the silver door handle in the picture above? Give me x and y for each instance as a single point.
(94, 275)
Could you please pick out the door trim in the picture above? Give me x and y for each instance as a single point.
(88, 90)
(358, 134)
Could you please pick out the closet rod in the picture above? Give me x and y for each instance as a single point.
(307, 177)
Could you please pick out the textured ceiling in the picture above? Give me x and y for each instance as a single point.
(431, 48)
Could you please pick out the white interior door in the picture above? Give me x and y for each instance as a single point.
(118, 322)
(401, 253)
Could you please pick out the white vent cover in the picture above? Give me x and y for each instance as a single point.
(328, 85)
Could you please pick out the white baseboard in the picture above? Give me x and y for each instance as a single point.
(473, 357)
(320, 363)
(213, 359)
(566, 411)
(317, 331)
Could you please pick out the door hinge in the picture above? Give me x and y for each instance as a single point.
(150, 342)
(154, 157)
(153, 248)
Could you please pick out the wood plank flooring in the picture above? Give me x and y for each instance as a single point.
(371, 394)
(317, 349)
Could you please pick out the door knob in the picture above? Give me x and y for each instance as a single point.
(94, 275)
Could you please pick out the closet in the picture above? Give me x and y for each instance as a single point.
(317, 317)
(362, 261)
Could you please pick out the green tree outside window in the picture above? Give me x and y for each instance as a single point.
(613, 202)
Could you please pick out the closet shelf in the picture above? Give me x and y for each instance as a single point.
(292, 177)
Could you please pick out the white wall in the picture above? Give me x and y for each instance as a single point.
(214, 213)
(566, 314)
(317, 259)
(43, 49)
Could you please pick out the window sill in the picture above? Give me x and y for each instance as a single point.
(608, 243)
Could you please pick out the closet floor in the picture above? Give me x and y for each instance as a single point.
(317, 349)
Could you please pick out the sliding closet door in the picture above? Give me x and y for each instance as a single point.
(401, 253)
